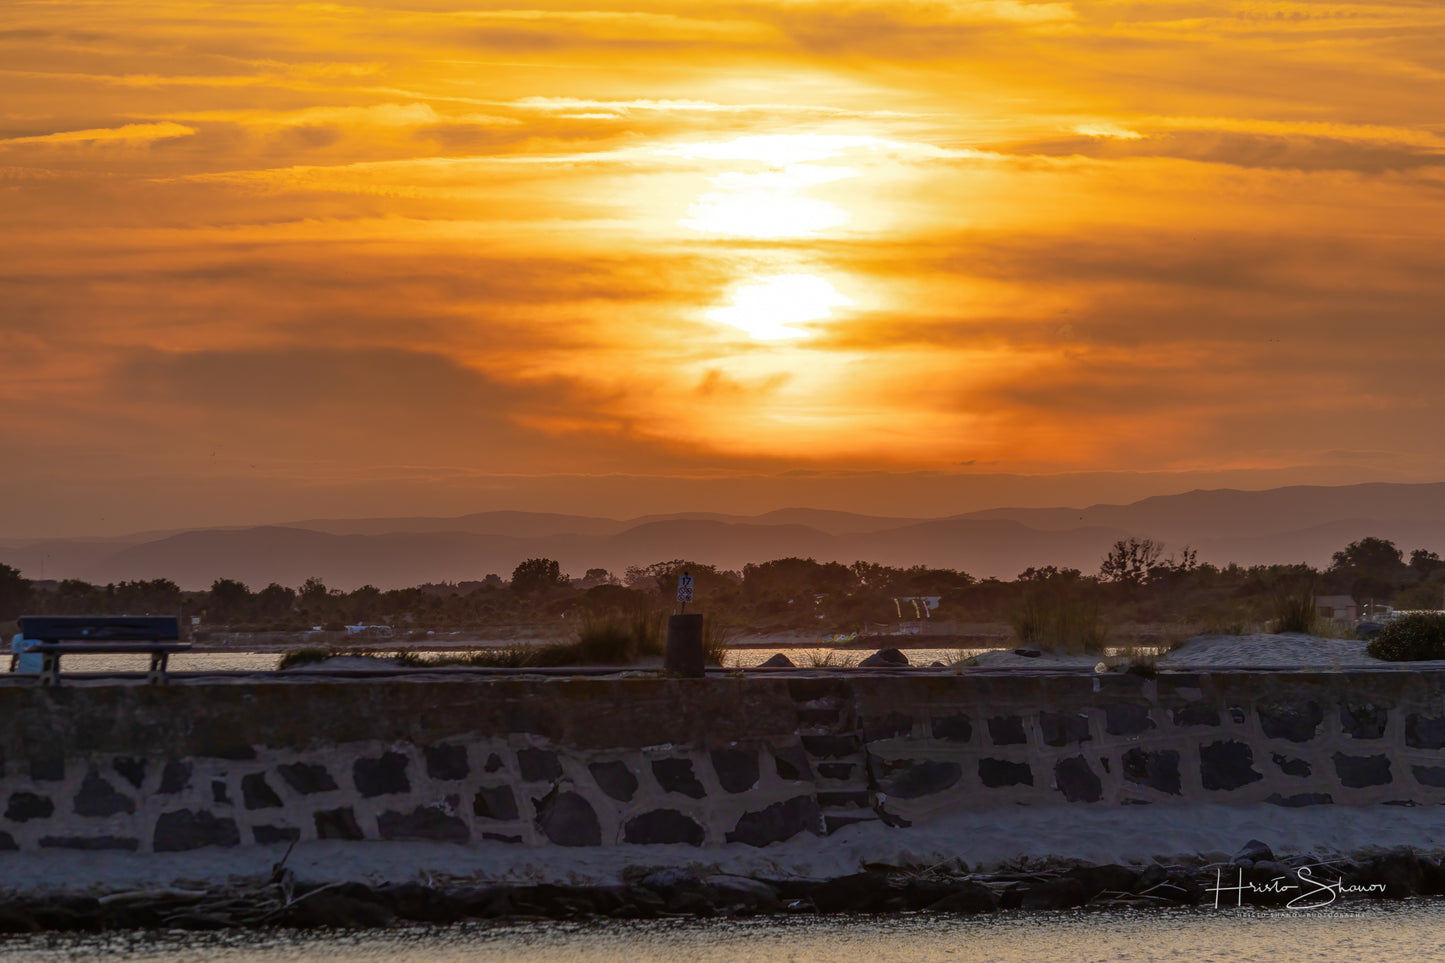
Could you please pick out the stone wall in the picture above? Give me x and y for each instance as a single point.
(585, 762)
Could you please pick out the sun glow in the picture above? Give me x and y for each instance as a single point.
(769, 203)
(768, 308)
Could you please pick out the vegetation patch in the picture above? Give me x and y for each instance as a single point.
(1060, 619)
(1417, 637)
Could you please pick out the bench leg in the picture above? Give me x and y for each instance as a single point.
(157, 674)
(50, 668)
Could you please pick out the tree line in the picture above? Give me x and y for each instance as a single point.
(1135, 581)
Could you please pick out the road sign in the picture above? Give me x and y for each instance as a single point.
(684, 588)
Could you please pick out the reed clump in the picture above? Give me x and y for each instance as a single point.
(1293, 609)
(1060, 620)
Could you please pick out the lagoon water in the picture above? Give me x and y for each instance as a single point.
(1386, 932)
(245, 661)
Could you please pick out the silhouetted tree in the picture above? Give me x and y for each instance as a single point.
(537, 575)
(14, 593)
(1130, 559)
(1425, 563)
(228, 601)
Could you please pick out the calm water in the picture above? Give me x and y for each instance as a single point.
(1409, 932)
(241, 661)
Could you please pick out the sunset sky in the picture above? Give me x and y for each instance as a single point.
(262, 261)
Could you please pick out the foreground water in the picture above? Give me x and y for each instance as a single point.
(1385, 932)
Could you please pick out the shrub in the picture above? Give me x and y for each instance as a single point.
(1419, 636)
(1060, 622)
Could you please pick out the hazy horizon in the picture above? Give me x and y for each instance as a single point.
(624, 497)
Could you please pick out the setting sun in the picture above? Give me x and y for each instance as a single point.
(769, 308)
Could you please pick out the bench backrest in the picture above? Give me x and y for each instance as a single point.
(100, 628)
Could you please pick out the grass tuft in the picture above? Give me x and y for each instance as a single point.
(1294, 609)
(1060, 621)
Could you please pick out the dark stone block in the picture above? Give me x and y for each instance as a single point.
(1290, 767)
(830, 746)
(184, 829)
(383, 776)
(1053, 894)
(737, 769)
(615, 779)
(891, 726)
(425, 823)
(1109, 878)
(1297, 723)
(130, 769)
(539, 765)
(967, 897)
(97, 797)
(675, 775)
(883, 659)
(921, 779)
(25, 806)
(337, 824)
(791, 763)
(220, 794)
(175, 777)
(1000, 772)
(264, 835)
(1196, 716)
(1062, 728)
(1357, 772)
(447, 762)
(1157, 770)
(494, 763)
(256, 793)
(47, 768)
(1423, 732)
(495, 802)
(836, 770)
(780, 821)
(235, 753)
(307, 778)
(7, 843)
(1300, 799)
(1077, 781)
(1430, 776)
(1007, 731)
(663, 826)
(1363, 722)
(1227, 765)
(956, 728)
(90, 843)
(1126, 719)
(568, 820)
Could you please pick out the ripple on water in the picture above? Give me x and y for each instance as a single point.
(1386, 932)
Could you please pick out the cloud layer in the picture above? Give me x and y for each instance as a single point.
(259, 248)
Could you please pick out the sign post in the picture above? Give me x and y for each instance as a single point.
(684, 591)
(684, 635)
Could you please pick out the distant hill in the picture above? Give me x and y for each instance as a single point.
(1297, 524)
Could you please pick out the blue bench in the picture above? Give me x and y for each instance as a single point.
(52, 636)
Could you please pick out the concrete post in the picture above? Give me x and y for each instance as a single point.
(684, 646)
